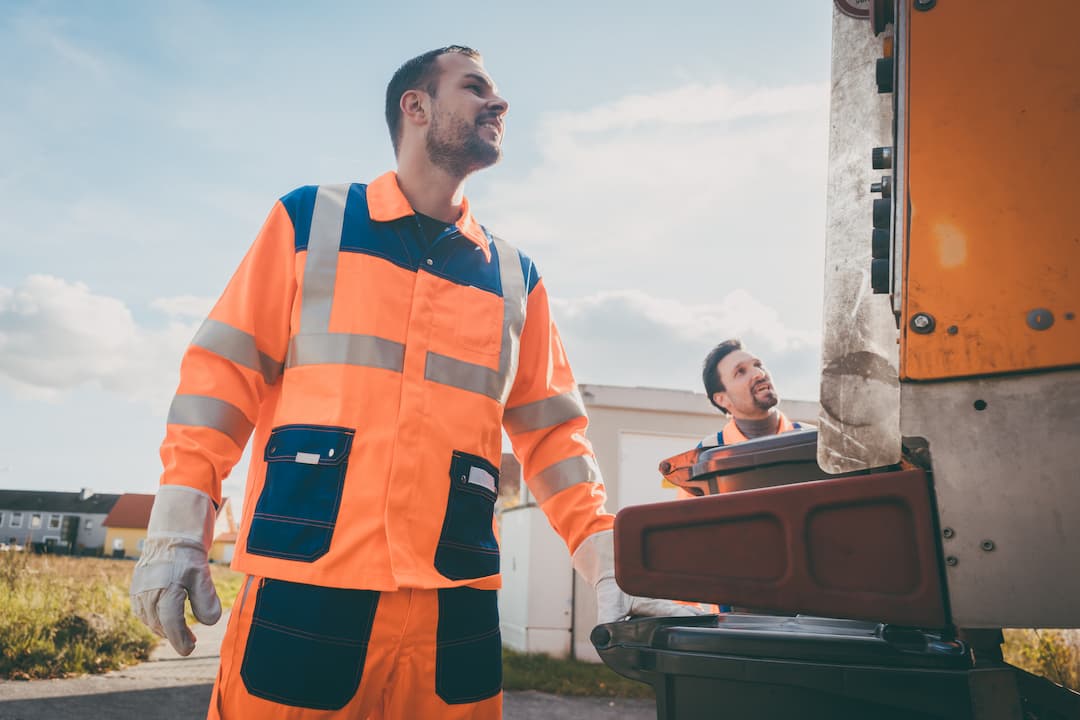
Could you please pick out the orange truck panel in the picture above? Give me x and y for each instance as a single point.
(993, 166)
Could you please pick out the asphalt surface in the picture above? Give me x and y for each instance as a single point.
(171, 687)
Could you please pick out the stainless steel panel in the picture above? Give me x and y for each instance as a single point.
(1007, 480)
(859, 422)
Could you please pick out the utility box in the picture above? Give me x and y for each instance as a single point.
(537, 599)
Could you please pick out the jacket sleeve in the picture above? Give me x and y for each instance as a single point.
(545, 419)
(235, 358)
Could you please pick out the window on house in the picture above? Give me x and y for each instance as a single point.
(54, 522)
(35, 521)
(16, 519)
(2, 518)
(89, 525)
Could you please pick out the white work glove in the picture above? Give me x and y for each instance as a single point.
(595, 562)
(174, 567)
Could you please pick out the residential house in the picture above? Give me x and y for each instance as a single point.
(130, 517)
(66, 522)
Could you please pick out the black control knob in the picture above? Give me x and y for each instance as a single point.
(884, 187)
(882, 158)
(882, 14)
(879, 276)
(882, 214)
(879, 244)
(884, 74)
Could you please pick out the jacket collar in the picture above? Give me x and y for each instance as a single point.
(386, 202)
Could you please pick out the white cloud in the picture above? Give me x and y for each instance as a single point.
(691, 192)
(632, 338)
(693, 104)
(56, 335)
(48, 33)
(184, 306)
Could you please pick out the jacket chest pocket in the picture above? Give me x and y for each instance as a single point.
(469, 318)
(467, 547)
(297, 509)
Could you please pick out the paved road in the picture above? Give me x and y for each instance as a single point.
(170, 687)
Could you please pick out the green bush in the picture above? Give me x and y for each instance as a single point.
(1052, 654)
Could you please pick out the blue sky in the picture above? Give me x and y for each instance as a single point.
(664, 165)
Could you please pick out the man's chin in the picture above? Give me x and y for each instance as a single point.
(767, 401)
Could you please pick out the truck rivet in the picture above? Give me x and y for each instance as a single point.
(951, 561)
(987, 545)
(948, 533)
(952, 330)
(923, 323)
(1040, 319)
(925, 5)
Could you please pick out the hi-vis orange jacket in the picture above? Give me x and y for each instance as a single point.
(376, 375)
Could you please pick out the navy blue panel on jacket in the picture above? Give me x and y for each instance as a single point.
(529, 271)
(454, 257)
(300, 204)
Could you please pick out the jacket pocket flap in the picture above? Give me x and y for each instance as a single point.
(309, 444)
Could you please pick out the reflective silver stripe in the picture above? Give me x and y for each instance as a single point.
(514, 299)
(204, 411)
(463, 375)
(320, 268)
(478, 378)
(345, 349)
(544, 413)
(563, 474)
(238, 346)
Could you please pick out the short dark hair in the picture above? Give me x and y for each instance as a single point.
(709, 373)
(420, 73)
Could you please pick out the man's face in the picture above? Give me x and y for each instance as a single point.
(466, 130)
(748, 390)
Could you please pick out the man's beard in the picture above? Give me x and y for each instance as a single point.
(456, 147)
(767, 402)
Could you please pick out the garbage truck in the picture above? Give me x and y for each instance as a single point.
(872, 562)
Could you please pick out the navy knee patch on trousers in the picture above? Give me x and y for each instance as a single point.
(468, 654)
(307, 644)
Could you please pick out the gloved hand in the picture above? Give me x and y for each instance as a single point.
(174, 567)
(595, 562)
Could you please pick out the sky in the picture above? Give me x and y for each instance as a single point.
(664, 165)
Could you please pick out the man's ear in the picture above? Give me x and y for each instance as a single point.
(720, 398)
(413, 106)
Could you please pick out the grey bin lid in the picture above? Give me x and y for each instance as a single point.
(762, 462)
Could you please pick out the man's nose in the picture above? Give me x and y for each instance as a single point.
(499, 105)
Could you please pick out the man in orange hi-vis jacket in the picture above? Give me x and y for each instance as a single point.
(739, 386)
(375, 340)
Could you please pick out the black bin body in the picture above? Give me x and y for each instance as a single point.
(765, 667)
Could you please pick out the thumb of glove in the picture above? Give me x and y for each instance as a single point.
(205, 604)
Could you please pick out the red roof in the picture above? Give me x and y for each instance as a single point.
(132, 510)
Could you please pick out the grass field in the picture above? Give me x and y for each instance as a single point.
(567, 677)
(63, 616)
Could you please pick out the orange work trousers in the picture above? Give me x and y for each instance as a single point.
(306, 652)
